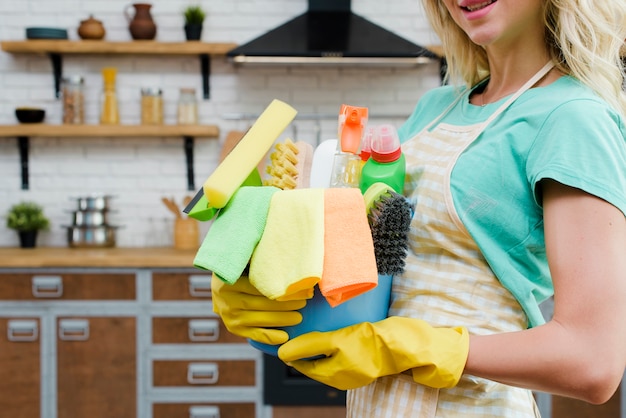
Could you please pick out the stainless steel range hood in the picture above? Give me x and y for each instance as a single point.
(330, 34)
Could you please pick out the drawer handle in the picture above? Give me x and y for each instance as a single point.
(21, 330)
(74, 329)
(204, 330)
(200, 285)
(202, 373)
(47, 286)
(204, 412)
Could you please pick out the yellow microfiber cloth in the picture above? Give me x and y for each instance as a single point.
(287, 263)
(236, 231)
(349, 260)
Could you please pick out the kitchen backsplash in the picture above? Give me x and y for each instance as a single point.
(140, 171)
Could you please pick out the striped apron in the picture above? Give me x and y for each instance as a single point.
(447, 282)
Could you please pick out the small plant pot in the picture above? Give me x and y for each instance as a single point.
(193, 32)
(28, 239)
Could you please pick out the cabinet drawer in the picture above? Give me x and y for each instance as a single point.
(213, 410)
(197, 373)
(181, 286)
(20, 359)
(209, 330)
(91, 286)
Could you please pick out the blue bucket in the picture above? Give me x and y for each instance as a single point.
(318, 315)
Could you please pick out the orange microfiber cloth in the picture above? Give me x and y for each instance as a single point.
(349, 260)
(287, 263)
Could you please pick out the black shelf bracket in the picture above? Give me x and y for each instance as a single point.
(205, 68)
(57, 71)
(23, 145)
(189, 158)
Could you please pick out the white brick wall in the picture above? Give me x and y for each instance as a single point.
(140, 171)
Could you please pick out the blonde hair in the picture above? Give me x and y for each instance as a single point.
(583, 37)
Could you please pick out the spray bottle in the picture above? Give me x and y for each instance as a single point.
(386, 163)
(347, 163)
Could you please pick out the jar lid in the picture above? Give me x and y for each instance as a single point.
(151, 91)
(74, 79)
(187, 90)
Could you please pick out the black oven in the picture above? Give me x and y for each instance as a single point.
(284, 385)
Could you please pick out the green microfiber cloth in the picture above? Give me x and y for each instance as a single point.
(236, 231)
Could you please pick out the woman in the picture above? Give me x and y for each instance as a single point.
(520, 180)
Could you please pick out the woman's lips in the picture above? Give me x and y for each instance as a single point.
(477, 9)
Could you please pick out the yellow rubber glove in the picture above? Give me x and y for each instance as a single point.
(359, 354)
(249, 314)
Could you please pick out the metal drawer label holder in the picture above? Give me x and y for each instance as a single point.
(204, 412)
(202, 373)
(204, 330)
(22, 330)
(200, 285)
(74, 329)
(47, 286)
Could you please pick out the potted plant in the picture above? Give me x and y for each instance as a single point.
(27, 218)
(194, 17)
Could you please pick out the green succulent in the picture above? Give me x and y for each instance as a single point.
(27, 216)
(194, 15)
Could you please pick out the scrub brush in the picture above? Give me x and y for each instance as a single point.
(389, 216)
(290, 165)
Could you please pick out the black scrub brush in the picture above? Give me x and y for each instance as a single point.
(389, 215)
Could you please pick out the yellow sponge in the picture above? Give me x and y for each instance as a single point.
(230, 174)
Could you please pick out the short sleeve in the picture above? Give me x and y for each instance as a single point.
(582, 144)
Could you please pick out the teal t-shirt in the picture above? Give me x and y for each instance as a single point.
(563, 132)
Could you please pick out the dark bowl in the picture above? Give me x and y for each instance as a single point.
(29, 115)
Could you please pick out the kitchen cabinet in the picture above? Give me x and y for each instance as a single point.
(119, 333)
(23, 132)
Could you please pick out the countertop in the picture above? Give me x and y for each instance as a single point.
(95, 257)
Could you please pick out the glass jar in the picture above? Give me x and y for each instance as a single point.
(151, 106)
(73, 96)
(187, 107)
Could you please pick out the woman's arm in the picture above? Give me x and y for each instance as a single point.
(581, 352)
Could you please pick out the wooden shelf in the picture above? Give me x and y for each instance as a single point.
(73, 131)
(55, 48)
(106, 47)
(23, 132)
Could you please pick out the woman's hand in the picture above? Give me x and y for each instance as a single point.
(249, 314)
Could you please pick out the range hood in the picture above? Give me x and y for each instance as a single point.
(329, 33)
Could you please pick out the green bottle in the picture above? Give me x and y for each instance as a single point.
(386, 163)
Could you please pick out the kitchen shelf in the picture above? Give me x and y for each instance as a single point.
(55, 48)
(23, 132)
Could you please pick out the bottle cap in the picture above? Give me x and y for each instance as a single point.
(352, 123)
(385, 144)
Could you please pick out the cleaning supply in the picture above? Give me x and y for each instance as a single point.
(239, 163)
(346, 170)
(322, 165)
(109, 112)
(318, 315)
(290, 165)
(386, 163)
(355, 356)
(249, 314)
(389, 216)
(287, 263)
(349, 261)
(229, 243)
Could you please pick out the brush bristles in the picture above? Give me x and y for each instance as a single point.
(390, 220)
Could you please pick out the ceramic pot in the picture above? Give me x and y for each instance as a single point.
(193, 31)
(28, 239)
(141, 25)
(91, 29)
